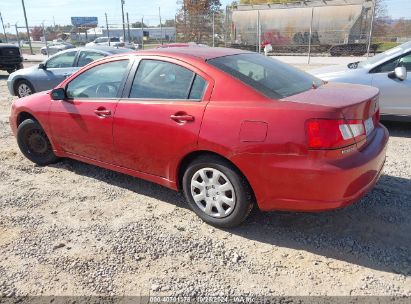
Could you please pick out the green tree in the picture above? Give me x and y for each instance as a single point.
(194, 19)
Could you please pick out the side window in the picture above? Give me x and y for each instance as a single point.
(65, 60)
(406, 62)
(102, 81)
(87, 57)
(198, 88)
(163, 80)
(390, 66)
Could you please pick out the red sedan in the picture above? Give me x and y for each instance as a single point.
(227, 127)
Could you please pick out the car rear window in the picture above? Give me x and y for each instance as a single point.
(266, 75)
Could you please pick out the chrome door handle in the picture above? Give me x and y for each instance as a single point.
(102, 113)
(182, 118)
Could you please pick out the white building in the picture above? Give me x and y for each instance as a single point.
(154, 33)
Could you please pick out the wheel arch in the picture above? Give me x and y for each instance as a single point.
(17, 81)
(24, 115)
(187, 159)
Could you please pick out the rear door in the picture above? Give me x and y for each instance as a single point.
(86, 57)
(395, 94)
(158, 120)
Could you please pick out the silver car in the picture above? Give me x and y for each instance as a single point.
(48, 74)
(388, 71)
(54, 48)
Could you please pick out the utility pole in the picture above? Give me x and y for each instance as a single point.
(371, 29)
(175, 28)
(161, 25)
(108, 31)
(27, 26)
(185, 20)
(142, 33)
(213, 29)
(45, 39)
(128, 29)
(122, 13)
(17, 35)
(258, 48)
(4, 29)
(311, 35)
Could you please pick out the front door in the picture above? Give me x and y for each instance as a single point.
(57, 69)
(160, 120)
(395, 95)
(82, 124)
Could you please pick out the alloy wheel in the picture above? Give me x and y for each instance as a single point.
(24, 90)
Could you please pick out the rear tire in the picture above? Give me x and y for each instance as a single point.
(34, 143)
(24, 89)
(217, 192)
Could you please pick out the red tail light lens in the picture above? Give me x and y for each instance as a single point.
(333, 134)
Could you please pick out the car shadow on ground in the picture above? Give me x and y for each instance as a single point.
(4, 77)
(374, 233)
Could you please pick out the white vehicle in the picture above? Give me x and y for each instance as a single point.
(114, 42)
(55, 47)
(105, 41)
(389, 71)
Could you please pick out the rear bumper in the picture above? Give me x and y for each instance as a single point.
(301, 183)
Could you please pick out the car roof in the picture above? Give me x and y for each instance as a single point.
(406, 45)
(197, 52)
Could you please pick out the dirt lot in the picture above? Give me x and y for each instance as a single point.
(75, 229)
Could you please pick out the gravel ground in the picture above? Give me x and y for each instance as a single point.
(76, 229)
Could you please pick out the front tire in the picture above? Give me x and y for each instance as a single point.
(24, 89)
(34, 143)
(217, 192)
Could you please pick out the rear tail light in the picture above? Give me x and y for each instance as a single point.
(334, 134)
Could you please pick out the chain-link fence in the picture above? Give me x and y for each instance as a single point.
(316, 27)
(288, 27)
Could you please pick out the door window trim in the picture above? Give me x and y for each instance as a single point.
(74, 62)
(122, 83)
(373, 70)
(133, 72)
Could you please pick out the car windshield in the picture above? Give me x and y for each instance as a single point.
(266, 75)
(114, 39)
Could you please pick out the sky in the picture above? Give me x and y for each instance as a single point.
(60, 11)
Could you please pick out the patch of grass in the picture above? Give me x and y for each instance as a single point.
(384, 46)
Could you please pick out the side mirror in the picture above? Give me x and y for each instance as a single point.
(399, 73)
(42, 66)
(58, 94)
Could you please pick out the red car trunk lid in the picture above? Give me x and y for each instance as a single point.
(352, 101)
